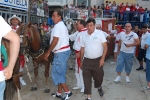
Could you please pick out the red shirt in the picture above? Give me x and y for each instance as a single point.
(45, 27)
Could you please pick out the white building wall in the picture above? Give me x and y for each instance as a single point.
(70, 2)
(144, 4)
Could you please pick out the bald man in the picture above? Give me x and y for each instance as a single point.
(105, 34)
(126, 46)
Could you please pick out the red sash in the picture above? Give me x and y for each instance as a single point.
(1, 66)
(22, 60)
(63, 48)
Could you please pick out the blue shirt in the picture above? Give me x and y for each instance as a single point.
(148, 49)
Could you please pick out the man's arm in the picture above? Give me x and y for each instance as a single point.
(14, 46)
(146, 46)
(81, 56)
(51, 47)
(119, 46)
(136, 43)
(104, 54)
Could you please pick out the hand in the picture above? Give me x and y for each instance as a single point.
(128, 45)
(78, 55)
(81, 65)
(46, 56)
(8, 72)
(101, 63)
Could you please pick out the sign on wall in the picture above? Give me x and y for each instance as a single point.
(40, 12)
(17, 4)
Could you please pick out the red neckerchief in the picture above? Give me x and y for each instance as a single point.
(14, 28)
(120, 31)
(85, 29)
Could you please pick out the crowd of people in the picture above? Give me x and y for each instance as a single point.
(132, 12)
(90, 46)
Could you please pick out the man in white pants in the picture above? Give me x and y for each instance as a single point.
(77, 46)
(116, 36)
(14, 22)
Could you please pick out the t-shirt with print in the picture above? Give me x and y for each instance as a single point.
(4, 29)
(128, 39)
(60, 31)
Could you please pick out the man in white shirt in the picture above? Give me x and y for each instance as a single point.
(105, 34)
(59, 44)
(94, 50)
(126, 48)
(14, 22)
(116, 36)
(5, 74)
(142, 51)
(77, 46)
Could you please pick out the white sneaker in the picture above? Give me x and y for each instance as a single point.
(127, 79)
(118, 79)
(76, 88)
(22, 82)
(82, 90)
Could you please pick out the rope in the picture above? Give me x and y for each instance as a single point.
(18, 93)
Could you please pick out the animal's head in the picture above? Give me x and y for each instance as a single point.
(25, 32)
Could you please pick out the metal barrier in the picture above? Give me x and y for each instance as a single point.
(7, 12)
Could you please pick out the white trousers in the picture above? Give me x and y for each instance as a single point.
(79, 76)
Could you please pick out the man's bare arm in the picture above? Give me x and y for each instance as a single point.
(136, 43)
(14, 47)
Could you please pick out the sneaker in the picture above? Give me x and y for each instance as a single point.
(57, 96)
(67, 96)
(140, 68)
(23, 82)
(127, 79)
(76, 88)
(101, 93)
(118, 79)
(144, 70)
(82, 90)
(88, 99)
(112, 62)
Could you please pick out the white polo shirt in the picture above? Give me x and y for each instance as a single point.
(4, 29)
(60, 31)
(143, 39)
(128, 39)
(92, 44)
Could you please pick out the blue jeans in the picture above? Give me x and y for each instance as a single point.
(125, 59)
(147, 70)
(59, 67)
(2, 88)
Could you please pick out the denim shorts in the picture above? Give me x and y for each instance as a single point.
(59, 67)
(2, 88)
(124, 59)
(148, 70)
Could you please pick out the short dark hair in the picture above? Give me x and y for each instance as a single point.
(144, 26)
(82, 22)
(59, 13)
(91, 20)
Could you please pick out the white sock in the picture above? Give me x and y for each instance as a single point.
(67, 92)
(58, 93)
(21, 78)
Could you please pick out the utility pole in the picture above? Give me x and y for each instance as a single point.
(29, 13)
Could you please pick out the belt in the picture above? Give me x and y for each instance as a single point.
(63, 48)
